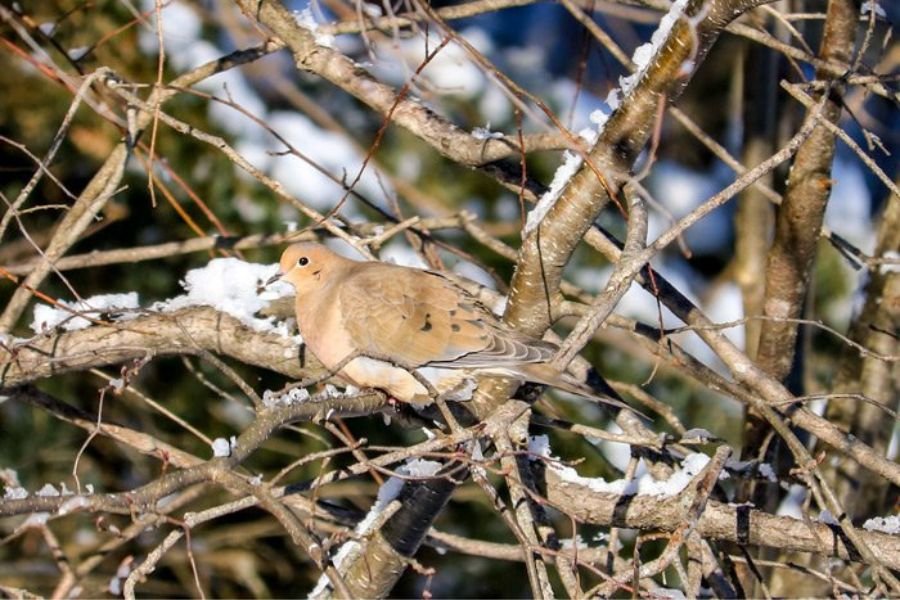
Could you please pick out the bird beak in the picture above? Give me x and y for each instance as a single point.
(274, 278)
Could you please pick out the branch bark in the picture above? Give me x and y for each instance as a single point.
(187, 331)
(739, 524)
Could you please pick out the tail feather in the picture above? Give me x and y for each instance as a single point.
(547, 375)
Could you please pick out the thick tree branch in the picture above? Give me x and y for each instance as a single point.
(187, 331)
(739, 524)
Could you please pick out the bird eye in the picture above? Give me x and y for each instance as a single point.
(302, 261)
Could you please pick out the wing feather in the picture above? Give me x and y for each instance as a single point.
(421, 318)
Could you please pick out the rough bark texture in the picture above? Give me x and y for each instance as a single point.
(739, 524)
(188, 331)
(797, 231)
(799, 221)
(546, 249)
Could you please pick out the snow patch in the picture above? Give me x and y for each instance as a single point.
(565, 172)
(645, 485)
(48, 317)
(485, 133)
(765, 469)
(307, 21)
(15, 493)
(293, 396)
(571, 163)
(386, 494)
(222, 447)
(643, 54)
(698, 434)
(72, 504)
(893, 264)
(48, 491)
(889, 525)
(872, 6)
(826, 517)
(234, 287)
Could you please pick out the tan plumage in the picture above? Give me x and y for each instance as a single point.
(397, 318)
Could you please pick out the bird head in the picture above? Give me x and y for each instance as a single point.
(305, 265)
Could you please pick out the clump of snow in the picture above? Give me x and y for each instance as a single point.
(419, 467)
(571, 163)
(234, 287)
(826, 517)
(539, 445)
(600, 116)
(565, 172)
(642, 59)
(307, 21)
(416, 467)
(765, 469)
(49, 317)
(391, 488)
(485, 133)
(643, 55)
(668, 593)
(883, 524)
(892, 264)
(222, 447)
(645, 485)
(15, 493)
(872, 6)
(618, 455)
(372, 10)
(72, 504)
(698, 434)
(293, 396)
(47, 491)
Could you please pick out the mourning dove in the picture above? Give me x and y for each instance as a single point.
(393, 319)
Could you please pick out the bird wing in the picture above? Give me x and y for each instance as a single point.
(418, 318)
